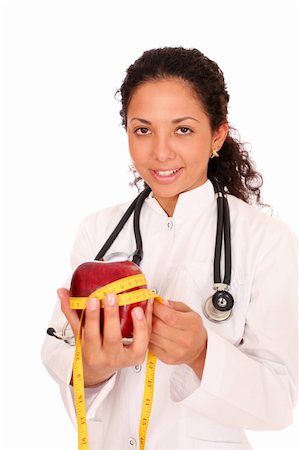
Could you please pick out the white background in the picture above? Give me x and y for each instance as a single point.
(64, 155)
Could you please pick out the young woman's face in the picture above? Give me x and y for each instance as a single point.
(170, 138)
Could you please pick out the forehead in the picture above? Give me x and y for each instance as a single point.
(163, 94)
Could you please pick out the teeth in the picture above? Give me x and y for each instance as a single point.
(165, 173)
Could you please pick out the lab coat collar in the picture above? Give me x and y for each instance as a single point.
(190, 204)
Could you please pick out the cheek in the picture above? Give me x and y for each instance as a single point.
(138, 152)
(132, 148)
(199, 156)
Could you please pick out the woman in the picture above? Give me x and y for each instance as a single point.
(213, 379)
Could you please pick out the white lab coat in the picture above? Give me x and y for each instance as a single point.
(249, 379)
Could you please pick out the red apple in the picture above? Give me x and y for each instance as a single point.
(93, 275)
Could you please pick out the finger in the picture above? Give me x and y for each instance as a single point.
(159, 352)
(112, 338)
(92, 334)
(163, 343)
(149, 314)
(70, 314)
(141, 335)
(160, 328)
(179, 306)
(168, 351)
(169, 315)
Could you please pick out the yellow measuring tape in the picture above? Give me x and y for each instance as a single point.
(126, 298)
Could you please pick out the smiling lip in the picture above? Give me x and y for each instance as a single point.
(166, 175)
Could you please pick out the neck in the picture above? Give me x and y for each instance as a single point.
(168, 204)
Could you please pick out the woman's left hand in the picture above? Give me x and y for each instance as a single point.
(178, 335)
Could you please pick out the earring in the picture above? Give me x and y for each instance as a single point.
(214, 153)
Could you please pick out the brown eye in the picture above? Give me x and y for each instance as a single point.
(142, 130)
(184, 130)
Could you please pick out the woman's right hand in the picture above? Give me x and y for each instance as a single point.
(104, 355)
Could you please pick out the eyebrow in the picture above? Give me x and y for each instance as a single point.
(178, 120)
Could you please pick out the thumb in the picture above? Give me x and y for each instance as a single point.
(63, 294)
(179, 306)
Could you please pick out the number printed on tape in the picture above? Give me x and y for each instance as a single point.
(78, 378)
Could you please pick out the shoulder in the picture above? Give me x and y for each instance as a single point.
(105, 217)
(257, 224)
(94, 230)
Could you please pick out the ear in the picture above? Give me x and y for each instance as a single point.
(219, 136)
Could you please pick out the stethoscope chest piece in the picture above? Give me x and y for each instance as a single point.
(219, 307)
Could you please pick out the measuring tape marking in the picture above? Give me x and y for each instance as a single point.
(127, 298)
(78, 380)
(79, 398)
(147, 398)
(115, 287)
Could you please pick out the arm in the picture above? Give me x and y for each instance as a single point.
(253, 385)
(102, 357)
(57, 356)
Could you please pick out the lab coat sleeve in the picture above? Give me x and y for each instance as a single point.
(254, 385)
(58, 356)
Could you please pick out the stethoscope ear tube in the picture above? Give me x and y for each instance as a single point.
(138, 254)
(138, 201)
(219, 306)
(116, 231)
(227, 243)
(218, 243)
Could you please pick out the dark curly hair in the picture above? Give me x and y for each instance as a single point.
(234, 168)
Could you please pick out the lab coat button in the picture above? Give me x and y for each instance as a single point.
(132, 442)
(137, 368)
(170, 225)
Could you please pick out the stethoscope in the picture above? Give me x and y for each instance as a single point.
(218, 307)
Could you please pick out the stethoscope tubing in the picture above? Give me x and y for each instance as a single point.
(227, 243)
(218, 243)
(122, 223)
(138, 254)
(223, 234)
(219, 306)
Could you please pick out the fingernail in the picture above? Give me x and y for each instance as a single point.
(111, 299)
(92, 304)
(151, 301)
(166, 302)
(138, 312)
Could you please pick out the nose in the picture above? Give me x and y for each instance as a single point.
(162, 148)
